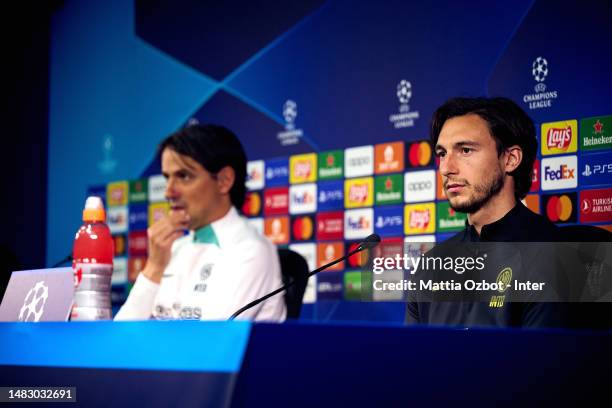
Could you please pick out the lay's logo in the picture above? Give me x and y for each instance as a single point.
(420, 219)
(559, 137)
(359, 192)
(303, 168)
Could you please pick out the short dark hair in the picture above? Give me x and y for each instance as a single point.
(508, 124)
(214, 147)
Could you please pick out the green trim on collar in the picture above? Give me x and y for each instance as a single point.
(206, 235)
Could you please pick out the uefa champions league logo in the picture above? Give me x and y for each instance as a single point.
(34, 303)
(404, 93)
(539, 70)
(108, 164)
(290, 135)
(405, 118)
(542, 98)
(290, 113)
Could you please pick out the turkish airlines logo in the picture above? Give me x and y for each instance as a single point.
(559, 138)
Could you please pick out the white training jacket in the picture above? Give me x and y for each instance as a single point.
(213, 272)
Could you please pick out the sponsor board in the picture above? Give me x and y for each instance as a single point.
(388, 277)
(359, 192)
(596, 133)
(330, 195)
(138, 217)
(330, 286)
(120, 271)
(596, 205)
(559, 137)
(440, 194)
(449, 220)
(255, 179)
(308, 252)
(120, 244)
(135, 266)
(303, 168)
(560, 208)
(535, 176)
(137, 243)
(276, 201)
(117, 219)
(419, 154)
(419, 186)
(420, 238)
(595, 169)
(157, 211)
(157, 188)
(359, 223)
(359, 259)
(331, 165)
(359, 161)
(117, 193)
(389, 157)
(389, 247)
(532, 201)
(277, 230)
(559, 173)
(388, 220)
(388, 189)
(352, 285)
(302, 228)
(328, 252)
(330, 225)
(419, 219)
(277, 172)
(252, 204)
(139, 190)
(303, 198)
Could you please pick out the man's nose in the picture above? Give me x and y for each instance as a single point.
(448, 165)
(171, 191)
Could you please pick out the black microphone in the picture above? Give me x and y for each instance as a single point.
(370, 242)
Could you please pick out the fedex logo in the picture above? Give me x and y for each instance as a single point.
(358, 223)
(559, 138)
(302, 198)
(559, 172)
(562, 173)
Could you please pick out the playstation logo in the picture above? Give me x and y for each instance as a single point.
(587, 171)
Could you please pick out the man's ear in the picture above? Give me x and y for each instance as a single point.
(225, 179)
(513, 158)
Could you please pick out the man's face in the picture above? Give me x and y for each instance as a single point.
(471, 169)
(190, 188)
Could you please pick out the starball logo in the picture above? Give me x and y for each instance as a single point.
(540, 70)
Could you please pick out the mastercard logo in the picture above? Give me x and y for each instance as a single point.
(559, 208)
(419, 154)
(303, 228)
(359, 259)
(252, 204)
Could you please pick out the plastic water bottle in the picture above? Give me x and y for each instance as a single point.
(92, 264)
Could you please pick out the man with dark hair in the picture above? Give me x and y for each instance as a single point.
(486, 148)
(222, 263)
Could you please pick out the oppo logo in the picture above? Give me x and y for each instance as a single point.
(420, 186)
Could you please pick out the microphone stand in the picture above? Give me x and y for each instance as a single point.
(361, 247)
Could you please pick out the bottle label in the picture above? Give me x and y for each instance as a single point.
(81, 269)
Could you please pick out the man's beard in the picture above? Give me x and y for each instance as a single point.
(482, 194)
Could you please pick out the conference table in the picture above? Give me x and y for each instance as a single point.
(298, 363)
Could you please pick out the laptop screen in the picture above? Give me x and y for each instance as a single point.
(43, 295)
